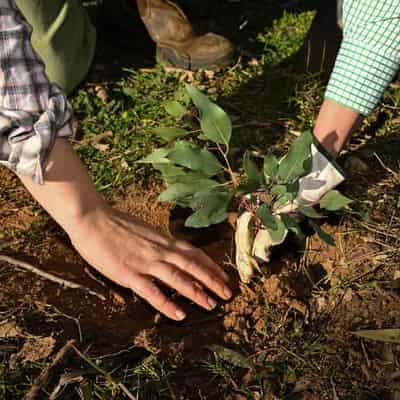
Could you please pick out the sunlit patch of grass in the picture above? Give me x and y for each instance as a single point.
(285, 37)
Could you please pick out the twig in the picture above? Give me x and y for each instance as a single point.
(106, 375)
(126, 391)
(90, 274)
(384, 166)
(364, 350)
(59, 313)
(335, 396)
(228, 165)
(294, 355)
(65, 380)
(45, 375)
(50, 277)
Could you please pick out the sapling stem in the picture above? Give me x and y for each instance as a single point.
(228, 165)
(224, 155)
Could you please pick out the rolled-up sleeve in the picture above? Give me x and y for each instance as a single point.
(33, 111)
(369, 56)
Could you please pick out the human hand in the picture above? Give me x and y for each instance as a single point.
(135, 256)
(254, 243)
(325, 175)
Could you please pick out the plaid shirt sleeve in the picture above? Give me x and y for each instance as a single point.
(33, 112)
(369, 56)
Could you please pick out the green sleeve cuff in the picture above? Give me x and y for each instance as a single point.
(361, 75)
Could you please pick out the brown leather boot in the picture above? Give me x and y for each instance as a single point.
(177, 44)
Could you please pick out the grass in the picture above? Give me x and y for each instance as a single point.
(270, 99)
(135, 104)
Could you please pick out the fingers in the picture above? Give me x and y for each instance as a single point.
(182, 283)
(150, 292)
(203, 259)
(204, 273)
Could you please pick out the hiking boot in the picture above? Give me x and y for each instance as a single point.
(177, 44)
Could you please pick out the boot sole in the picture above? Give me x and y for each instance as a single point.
(171, 58)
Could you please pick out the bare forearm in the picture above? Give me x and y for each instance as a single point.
(334, 125)
(120, 247)
(68, 194)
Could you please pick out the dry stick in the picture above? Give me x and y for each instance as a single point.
(386, 168)
(126, 391)
(335, 396)
(50, 277)
(106, 375)
(44, 376)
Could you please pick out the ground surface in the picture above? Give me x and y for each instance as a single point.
(288, 335)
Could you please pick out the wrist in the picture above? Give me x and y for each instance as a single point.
(84, 220)
(328, 141)
(334, 126)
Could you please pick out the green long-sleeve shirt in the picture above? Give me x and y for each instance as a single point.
(63, 36)
(369, 55)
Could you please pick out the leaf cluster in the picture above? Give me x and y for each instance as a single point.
(194, 175)
(195, 166)
(280, 179)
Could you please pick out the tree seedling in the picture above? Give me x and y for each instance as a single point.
(196, 169)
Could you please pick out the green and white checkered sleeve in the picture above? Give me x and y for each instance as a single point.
(369, 55)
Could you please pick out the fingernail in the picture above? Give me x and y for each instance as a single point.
(212, 303)
(227, 293)
(180, 315)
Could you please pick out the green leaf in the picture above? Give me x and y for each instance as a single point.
(253, 174)
(292, 225)
(214, 121)
(293, 188)
(230, 356)
(158, 156)
(268, 220)
(248, 187)
(278, 190)
(271, 166)
(278, 233)
(324, 236)
(168, 134)
(192, 178)
(191, 156)
(283, 200)
(380, 335)
(184, 192)
(212, 208)
(182, 97)
(297, 162)
(173, 174)
(175, 109)
(310, 212)
(170, 172)
(334, 201)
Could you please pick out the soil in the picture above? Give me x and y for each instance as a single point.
(292, 290)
